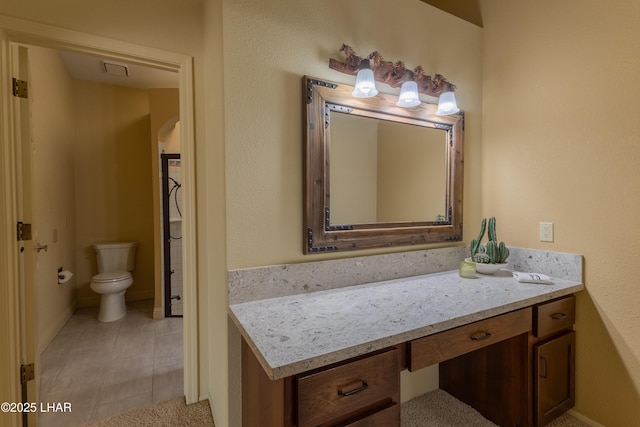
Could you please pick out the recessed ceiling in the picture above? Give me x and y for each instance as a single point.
(92, 68)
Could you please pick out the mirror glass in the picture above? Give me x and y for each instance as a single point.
(385, 171)
(378, 175)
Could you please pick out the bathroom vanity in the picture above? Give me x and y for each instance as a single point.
(323, 343)
(334, 357)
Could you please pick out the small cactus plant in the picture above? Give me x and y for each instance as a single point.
(492, 252)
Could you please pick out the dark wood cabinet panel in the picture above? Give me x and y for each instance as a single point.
(553, 317)
(521, 381)
(265, 402)
(348, 389)
(493, 380)
(439, 347)
(554, 377)
(389, 416)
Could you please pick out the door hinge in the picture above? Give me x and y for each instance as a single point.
(23, 231)
(27, 373)
(20, 88)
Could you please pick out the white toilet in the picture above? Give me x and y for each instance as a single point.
(115, 263)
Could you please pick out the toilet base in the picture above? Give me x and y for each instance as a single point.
(112, 307)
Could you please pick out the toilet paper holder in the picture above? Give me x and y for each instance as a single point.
(64, 275)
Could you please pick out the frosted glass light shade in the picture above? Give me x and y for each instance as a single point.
(447, 104)
(408, 95)
(365, 83)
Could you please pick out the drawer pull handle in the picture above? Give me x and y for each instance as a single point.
(357, 390)
(481, 336)
(558, 316)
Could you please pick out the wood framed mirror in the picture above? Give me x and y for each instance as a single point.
(378, 175)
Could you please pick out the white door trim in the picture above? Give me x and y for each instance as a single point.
(14, 30)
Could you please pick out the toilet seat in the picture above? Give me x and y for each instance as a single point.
(112, 277)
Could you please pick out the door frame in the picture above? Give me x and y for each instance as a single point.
(13, 30)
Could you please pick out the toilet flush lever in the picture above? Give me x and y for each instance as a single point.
(40, 247)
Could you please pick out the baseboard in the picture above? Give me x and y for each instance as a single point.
(52, 330)
(584, 419)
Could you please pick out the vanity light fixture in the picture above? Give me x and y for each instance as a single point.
(365, 83)
(447, 104)
(396, 75)
(408, 95)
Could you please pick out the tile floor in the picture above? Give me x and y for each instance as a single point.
(104, 369)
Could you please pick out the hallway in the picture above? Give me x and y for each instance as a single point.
(104, 369)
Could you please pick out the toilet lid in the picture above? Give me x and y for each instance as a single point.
(111, 277)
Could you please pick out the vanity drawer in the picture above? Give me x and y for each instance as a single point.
(445, 345)
(345, 391)
(389, 416)
(554, 316)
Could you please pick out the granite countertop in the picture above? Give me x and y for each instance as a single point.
(293, 334)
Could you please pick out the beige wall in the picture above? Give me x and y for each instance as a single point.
(268, 47)
(215, 359)
(175, 27)
(164, 110)
(69, 131)
(52, 133)
(171, 139)
(113, 181)
(564, 159)
(561, 143)
(161, 24)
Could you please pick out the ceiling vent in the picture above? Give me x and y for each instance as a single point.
(115, 69)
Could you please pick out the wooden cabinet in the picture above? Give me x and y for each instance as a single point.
(553, 359)
(362, 392)
(385, 417)
(445, 345)
(554, 316)
(492, 378)
(516, 369)
(524, 380)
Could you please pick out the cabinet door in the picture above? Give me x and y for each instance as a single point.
(555, 377)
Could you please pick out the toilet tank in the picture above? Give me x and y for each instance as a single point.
(116, 256)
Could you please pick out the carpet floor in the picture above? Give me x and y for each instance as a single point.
(170, 413)
(439, 409)
(434, 409)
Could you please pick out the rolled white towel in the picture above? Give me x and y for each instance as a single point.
(532, 278)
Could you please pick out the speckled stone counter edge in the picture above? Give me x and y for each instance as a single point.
(253, 284)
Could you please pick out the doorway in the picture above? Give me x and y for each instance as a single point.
(18, 32)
